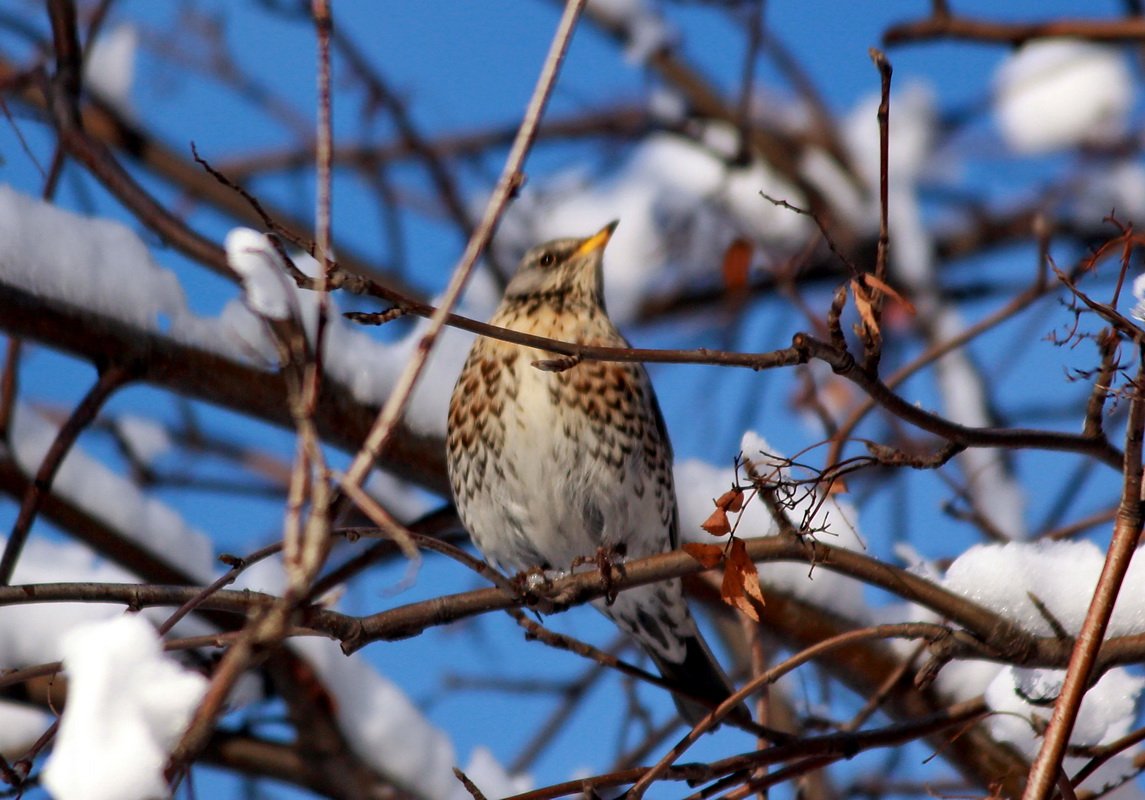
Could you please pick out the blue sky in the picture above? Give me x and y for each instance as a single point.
(463, 65)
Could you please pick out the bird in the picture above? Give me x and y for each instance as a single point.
(551, 466)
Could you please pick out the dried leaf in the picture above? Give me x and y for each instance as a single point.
(886, 289)
(751, 583)
(717, 524)
(707, 554)
(740, 586)
(731, 500)
(865, 308)
(731, 588)
(736, 264)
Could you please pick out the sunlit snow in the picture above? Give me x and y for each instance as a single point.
(128, 703)
(1053, 94)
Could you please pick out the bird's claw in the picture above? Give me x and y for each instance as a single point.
(609, 561)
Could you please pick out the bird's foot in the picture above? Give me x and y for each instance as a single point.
(534, 588)
(609, 561)
(532, 580)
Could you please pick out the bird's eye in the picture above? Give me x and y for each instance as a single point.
(547, 259)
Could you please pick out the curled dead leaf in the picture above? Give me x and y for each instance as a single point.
(885, 288)
(740, 586)
(731, 500)
(717, 524)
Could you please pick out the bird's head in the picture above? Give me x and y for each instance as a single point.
(563, 270)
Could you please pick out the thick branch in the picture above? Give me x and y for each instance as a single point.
(1128, 30)
(203, 375)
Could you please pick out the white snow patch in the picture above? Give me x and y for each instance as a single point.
(1139, 294)
(128, 703)
(1054, 94)
(1120, 189)
(366, 367)
(1106, 714)
(267, 576)
(94, 264)
(30, 633)
(823, 172)
(252, 256)
(667, 105)
(145, 438)
(1061, 575)
(964, 680)
(110, 67)
(20, 727)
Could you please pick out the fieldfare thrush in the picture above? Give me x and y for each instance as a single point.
(551, 467)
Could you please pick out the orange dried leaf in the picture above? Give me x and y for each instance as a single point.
(731, 500)
(753, 599)
(886, 289)
(732, 590)
(707, 554)
(737, 261)
(717, 524)
(747, 579)
(738, 555)
(731, 587)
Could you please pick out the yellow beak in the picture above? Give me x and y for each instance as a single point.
(597, 241)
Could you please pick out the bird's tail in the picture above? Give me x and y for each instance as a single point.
(698, 676)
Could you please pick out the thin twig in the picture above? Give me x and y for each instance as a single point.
(507, 185)
(872, 334)
(766, 679)
(824, 749)
(8, 383)
(238, 566)
(110, 380)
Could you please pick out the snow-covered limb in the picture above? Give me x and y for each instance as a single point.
(104, 269)
(268, 289)
(127, 706)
